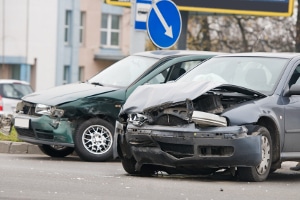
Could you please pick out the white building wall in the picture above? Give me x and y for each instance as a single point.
(29, 30)
(13, 28)
(43, 41)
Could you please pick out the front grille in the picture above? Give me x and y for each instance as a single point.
(48, 135)
(177, 150)
(209, 103)
(205, 151)
(25, 132)
(170, 120)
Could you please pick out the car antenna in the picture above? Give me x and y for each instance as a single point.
(259, 37)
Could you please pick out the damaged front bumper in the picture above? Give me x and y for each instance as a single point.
(179, 146)
(44, 130)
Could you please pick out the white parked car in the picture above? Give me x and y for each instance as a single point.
(11, 92)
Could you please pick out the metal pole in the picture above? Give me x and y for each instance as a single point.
(3, 33)
(27, 30)
(27, 69)
(137, 38)
(182, 38)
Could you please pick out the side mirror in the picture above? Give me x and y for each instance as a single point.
(294, 90)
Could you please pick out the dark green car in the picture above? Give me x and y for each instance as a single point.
(82, 116)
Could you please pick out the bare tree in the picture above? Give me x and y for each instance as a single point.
(232, 33)
(198, 40)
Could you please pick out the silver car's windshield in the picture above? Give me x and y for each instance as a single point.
(256, 73)
(123, 72)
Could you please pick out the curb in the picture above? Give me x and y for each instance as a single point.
(19, 148)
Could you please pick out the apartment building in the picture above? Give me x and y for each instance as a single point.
(54, 42)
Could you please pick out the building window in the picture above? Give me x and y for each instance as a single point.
(67, 77)
(81, 74)
(82, 28)
(110, 30)
(15, 72)
(68, 27)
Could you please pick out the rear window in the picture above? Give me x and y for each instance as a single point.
(14, 90)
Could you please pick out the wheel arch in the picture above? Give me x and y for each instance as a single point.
(272, 127)
(83, 118)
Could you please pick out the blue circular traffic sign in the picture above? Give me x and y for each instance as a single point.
(164, 24)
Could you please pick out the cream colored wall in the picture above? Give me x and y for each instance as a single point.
(4, 71)
(125, 27)
(92, 38)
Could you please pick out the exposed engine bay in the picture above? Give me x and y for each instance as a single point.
(204, 110)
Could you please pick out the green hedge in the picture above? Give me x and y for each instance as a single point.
(11, 137)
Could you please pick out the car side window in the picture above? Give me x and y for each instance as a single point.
(295, 77)
(159, 78)
(173, 72)
(176, 71)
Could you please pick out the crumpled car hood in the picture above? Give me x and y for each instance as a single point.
(66, 93)
(148, 96)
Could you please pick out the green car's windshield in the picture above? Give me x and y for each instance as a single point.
(123, 72)
(257, 73)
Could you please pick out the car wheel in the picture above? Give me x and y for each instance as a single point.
(129, 165)
(56, 150)
(261, 171)
(93, 140)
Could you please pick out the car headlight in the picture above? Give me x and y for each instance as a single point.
(137, 119)
(48, 110)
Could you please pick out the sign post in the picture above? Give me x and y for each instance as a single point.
(164, 24)
(141, 13)
(136, 31)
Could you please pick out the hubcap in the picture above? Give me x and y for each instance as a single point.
(97, 139)
(265, 161)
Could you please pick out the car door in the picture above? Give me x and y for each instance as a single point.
(292, 116)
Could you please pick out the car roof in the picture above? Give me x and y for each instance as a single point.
(263, 54)
(11, 81)
(173, 53)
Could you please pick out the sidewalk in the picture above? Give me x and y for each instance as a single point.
(19, 148)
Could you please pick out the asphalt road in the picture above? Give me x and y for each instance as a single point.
(38, 177)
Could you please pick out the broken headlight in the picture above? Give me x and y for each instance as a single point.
(42, 109)
(137, 119)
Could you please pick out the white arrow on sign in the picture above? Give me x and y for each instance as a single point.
(168, 29)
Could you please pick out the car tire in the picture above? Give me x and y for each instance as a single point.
(261, 171)
(93, 140)
(56, 150)
(129, 165)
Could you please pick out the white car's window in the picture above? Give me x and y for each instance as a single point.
(14, 91)
(295, 77)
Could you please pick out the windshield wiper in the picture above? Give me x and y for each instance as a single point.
(96, 83)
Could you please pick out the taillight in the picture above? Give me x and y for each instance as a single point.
(1, 103)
